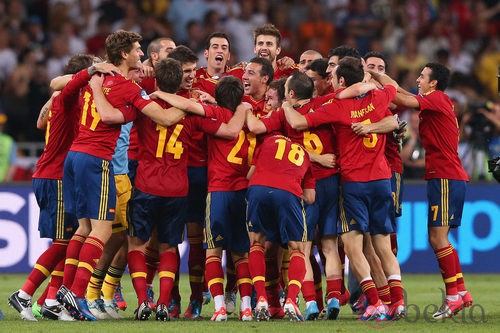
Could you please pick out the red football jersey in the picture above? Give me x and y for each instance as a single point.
(205, 82)
(278, 73)
(96, 138)
(279, 153)
(361, 159)
(319, 140)
(258, 107)
(227, 159)
(439, 132)
(148, 84)
(162, 170)
(62, 127)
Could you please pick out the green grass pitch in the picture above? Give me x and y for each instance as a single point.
(423, 296)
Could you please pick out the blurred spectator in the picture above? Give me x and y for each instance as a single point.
(434, 41)
(225, 8)
(316, 32)
(76, 44)
(487, 64)
(409, 58)
(413, 154)
(459, 59)
(362, 24)
(130, 21)
(95, 44)
(181, 12)
(86, 19)
(8, 153)
(58, 56)
(8, 58)
(418, 15)
(240, 30)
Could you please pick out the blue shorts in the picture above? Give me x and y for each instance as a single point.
(276, 213)
(168, 214)
(89, 187)
(446, 202)
(366, 207)
(225, 222)
(197, 197)
(327, 198)
(312, 216)
(132, 170)
(53, 222)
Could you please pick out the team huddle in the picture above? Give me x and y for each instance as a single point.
(264, 161)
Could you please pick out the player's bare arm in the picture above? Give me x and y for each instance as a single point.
(385, 125)
(295, 119)
(232, 129)
(108, 114)
(383, 79)
(326, 160)
(309, 195)
(356, 89)
(43, 117)
(254, 124)
(180, 102)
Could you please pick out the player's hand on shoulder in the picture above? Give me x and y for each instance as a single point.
(148, 71)
(285, 63)
(360, 129)
(205, 97)
(96, 82)
(106, 68)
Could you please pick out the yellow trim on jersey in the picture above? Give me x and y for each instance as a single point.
(60, 211)
(210, 241)
(214, 281)
(103, 204)
(138, 275)
(166, 274)
(445, 194)
(42, 269)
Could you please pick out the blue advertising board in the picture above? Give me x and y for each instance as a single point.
(477, 240)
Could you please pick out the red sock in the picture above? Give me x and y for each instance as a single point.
(396, 289)
(169, 261)
(138, 272)
(370, 291)
(296, 273)
(244, 281)
(89, 256)
(72, 254)
(45, 265)
(257, 266)
(214, 275)
(55, 280)
(272, 281)
(175, 295)
(152, 258)
(459, 275)
(43, 296)
(230, 273)
(308, 290)
(446, 261)
(196, 265)
(333, 286)
(384, 293)
(394, 243)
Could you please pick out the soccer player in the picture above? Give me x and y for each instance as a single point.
(276, 213)
(59, 118)
(267, 45)
(446, 178)
(91, 191)
(307, 57)
(256, 78)
(227, 169)
(366, 202)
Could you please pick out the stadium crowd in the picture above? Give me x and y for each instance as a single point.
(220, 99)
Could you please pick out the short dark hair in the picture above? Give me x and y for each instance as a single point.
(217, 35)
(267, 30)
(229, 92)
(183, 54)
(155, 45)
(351, 69)
(168, 75)
(279, 86)
(344, 51)
(440, 73)
(267, 68)
(375, 54)
(118, 42)
(78, 62)
(319, 66)
(301, 84)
